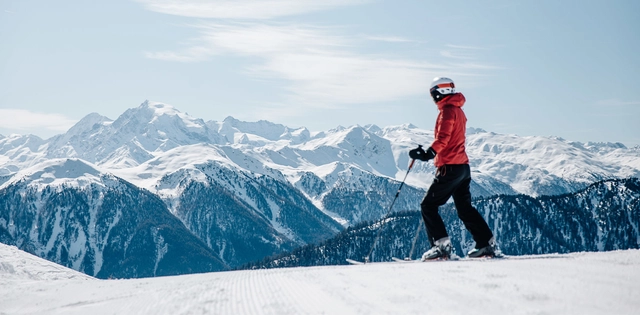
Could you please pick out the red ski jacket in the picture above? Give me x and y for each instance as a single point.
(451, 126)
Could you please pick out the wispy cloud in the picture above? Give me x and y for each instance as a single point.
(614, 102)
(464, 47)
(251, 39)
(268, 39)
(456, 55)
(391, 39)
(242, 9)
(320, 66)
(460, 52)
(468, 66)
(20, 119)
(323, 66)
(191, 54)
(330, 77)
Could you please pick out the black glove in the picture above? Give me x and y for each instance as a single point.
(419, 154)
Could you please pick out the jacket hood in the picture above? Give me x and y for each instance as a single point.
(456, 100)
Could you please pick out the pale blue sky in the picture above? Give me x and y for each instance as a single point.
(548, 68)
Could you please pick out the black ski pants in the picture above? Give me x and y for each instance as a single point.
(453, 180)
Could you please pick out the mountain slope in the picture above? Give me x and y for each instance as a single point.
(247, 216)
(240, 214)
(605, 216)
(69, 212)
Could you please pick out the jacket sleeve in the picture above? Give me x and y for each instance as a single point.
(445, 123)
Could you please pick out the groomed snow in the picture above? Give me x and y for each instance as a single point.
(17, 266)
(581, 283)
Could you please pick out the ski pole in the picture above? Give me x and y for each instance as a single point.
(415, 239)
(366, 259)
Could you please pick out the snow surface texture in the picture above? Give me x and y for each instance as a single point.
(17, 266)
(579, 283)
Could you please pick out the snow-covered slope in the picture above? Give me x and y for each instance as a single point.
(579, 283)
(68, 211)
(18, 266)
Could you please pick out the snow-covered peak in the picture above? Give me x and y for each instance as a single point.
(336, 129)
(18, 152)
(160, 108)
(353, 145)
(162, 116)
(82, 131)
(601, 147)
(532, 163)
(57, 172)
(89, 122)
(164, 113)
(234, 130)
(133, 138)
(472, 130)
(406, 136)
(372, 128)
(354, 135)
(15, 141)
(148, 174)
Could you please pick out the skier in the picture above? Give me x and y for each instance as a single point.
(453, 177)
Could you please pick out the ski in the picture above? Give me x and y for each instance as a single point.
(453, 258)
(482, 258)
(420, 260)
(354, 262)
(403, 260)
(495, 256)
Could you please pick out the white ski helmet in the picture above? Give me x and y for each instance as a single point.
(440, 87)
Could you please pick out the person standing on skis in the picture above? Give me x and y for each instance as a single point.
(453, 177)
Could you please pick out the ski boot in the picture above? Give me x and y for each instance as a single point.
(441, 250)
(490, 250)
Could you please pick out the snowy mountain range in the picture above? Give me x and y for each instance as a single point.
(244, 190)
